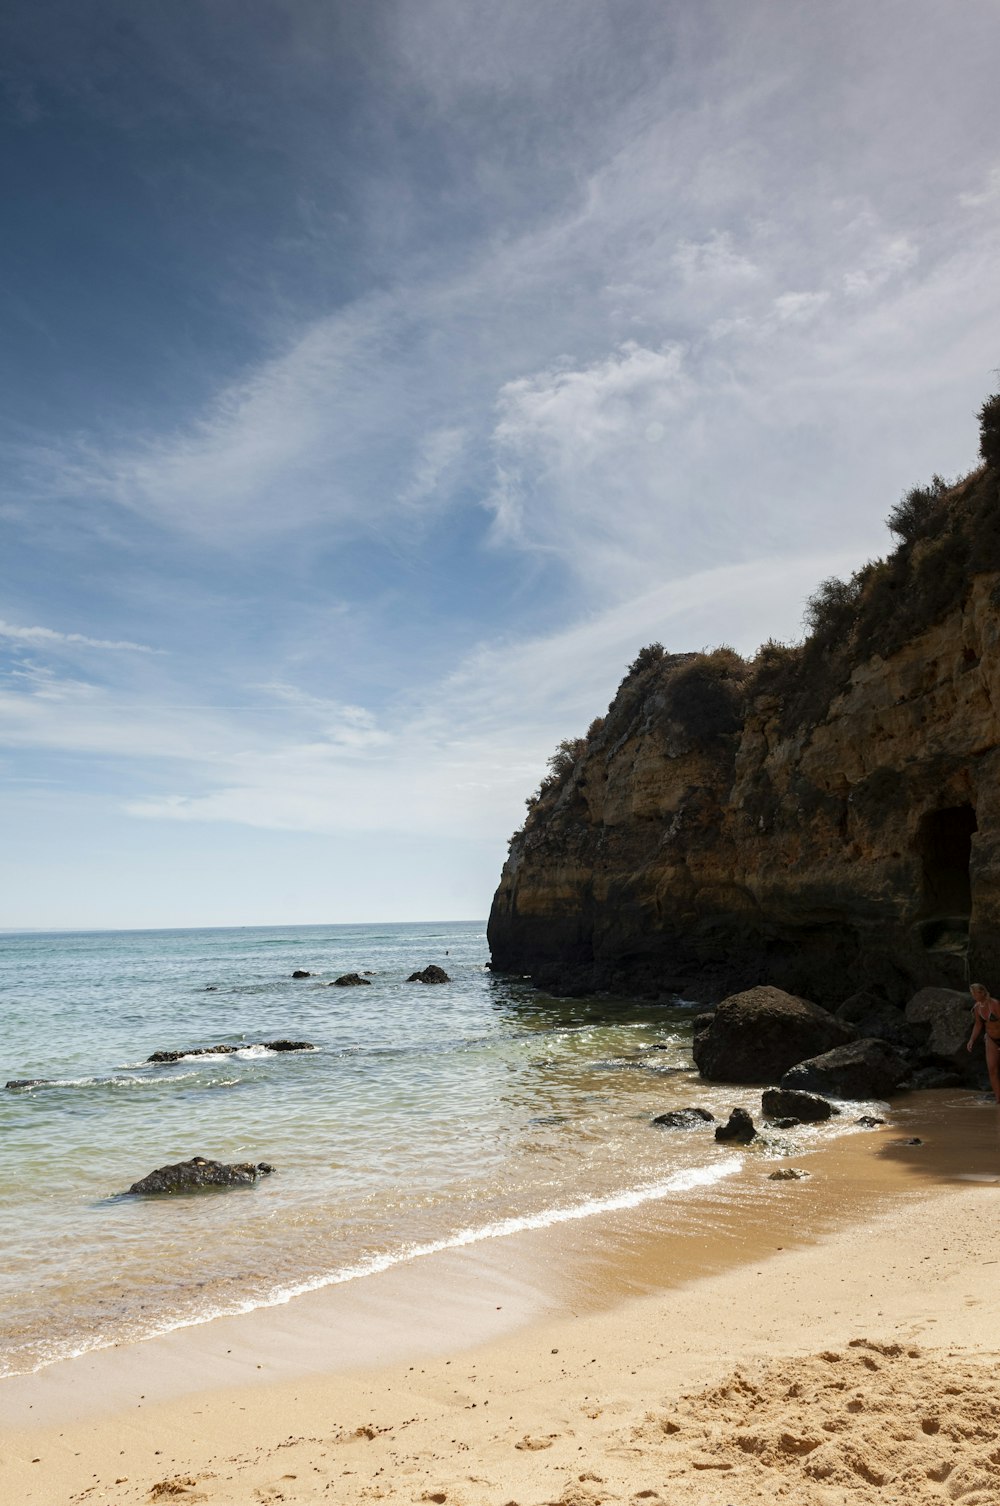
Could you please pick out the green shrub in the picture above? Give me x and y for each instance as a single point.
(989, 430)
(705, 695)
(918, 510)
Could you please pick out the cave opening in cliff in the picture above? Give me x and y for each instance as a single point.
(944, 841)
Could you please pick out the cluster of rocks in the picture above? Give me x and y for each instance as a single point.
(782, 1108)
(430, 974)
(867, 1048)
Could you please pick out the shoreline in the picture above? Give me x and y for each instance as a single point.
(705, 1273)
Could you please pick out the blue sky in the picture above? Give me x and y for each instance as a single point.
(377, 379)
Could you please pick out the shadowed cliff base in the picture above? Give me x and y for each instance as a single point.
(824, 817)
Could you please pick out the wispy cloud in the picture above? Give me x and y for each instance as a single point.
(50, 637)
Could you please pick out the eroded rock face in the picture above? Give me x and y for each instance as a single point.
(864, 1069)
(698, 845)
(189, 1176)
(755, 1036)
(430, 974)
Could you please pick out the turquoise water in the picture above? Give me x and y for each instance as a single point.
(426, 1116)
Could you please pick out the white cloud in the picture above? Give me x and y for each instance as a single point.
(987, 197)
(50, 637)
(454, 763)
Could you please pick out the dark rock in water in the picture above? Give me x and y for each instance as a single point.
(175, 1056)
(788, 1174)
(869, 1121)
(781, 1103)
(301, 973)
(913, 1140)
(739, 1127)
(26, 1082)
(160, 1057)
(188, 1176)
(757, 1035)
(211, 988)
(350, 980)
(864, 1069)
(685, 1118)
(431, 974)
(785, 1123)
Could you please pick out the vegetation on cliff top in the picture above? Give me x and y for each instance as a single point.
(947, 533)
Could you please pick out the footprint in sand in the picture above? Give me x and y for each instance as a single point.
(527, 1442)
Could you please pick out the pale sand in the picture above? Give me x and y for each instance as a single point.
(843, 1349)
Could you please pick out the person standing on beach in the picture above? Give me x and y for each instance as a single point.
(987, 1017)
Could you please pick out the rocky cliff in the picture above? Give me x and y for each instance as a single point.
(825, 817)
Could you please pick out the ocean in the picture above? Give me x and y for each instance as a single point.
(425, 1117)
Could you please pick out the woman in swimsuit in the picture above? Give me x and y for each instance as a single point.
(987, 1017)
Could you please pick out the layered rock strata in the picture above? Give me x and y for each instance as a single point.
(825, 819)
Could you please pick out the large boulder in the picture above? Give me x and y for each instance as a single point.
(757, 1035)
(863, 1069)
(430, 974)
(947, 1013)
(874, 1018)
(351, 980)
(190, 1176)
(944, 1015)
(786, 1103)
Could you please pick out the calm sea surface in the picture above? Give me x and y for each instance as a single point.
(427, 1116)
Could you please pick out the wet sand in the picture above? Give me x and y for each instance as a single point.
(590, 1362)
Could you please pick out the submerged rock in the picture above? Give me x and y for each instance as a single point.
(739, 1127)
(869, 1121)
(349, 980)
(864, 1069)
(301, 973)
(26, 1082)
(788, 1174)
(188, 1176)
(161, 1057)
(175, 1056)
(757, 1035)
(431, 974)
(784, 1103)
(685, 1118)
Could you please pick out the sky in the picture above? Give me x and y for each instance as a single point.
(375, 380)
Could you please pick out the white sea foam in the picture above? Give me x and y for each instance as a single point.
(688, 1180)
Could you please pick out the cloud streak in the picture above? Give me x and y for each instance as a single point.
(51, 638)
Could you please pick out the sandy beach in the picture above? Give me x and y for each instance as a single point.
(827, 1340)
